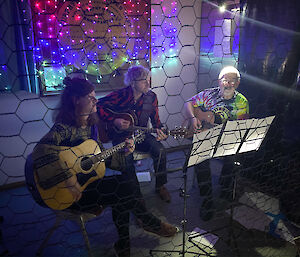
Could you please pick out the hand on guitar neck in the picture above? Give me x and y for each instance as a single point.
(161, 135)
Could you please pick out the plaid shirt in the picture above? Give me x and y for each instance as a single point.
(122, 100)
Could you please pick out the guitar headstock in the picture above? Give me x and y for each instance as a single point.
(179, 132)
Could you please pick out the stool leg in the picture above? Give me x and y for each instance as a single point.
(85, 235)
(43, 244)
(297, 243)
(195, 180)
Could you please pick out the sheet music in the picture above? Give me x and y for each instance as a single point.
(250, 133)
(204, 144)
(232, 137)
(256, 134)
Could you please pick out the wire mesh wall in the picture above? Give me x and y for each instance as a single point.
(186, 43)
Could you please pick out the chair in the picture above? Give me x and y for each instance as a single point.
(81, 218)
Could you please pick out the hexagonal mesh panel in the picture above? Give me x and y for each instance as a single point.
(185, 43)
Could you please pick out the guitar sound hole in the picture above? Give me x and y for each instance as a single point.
(86, 163)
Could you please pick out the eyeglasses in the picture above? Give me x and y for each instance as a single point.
(230, 82)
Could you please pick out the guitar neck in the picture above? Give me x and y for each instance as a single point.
(107, 153)
(144, 129)
(176, 133)
(150, 130)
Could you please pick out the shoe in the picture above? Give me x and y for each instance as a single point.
(164, 194)
(165, 230)
(121, 252)
(207, 210)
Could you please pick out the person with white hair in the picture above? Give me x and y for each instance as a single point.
(212, 106)
(141, 102)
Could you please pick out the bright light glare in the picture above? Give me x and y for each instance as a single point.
(222, 8)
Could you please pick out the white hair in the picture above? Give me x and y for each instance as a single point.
(135, 73)
(229, 69)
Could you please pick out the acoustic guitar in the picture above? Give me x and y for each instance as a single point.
(133, 121)
(207, 119)
(85, 161)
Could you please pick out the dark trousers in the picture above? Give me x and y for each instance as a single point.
(204, 178)
(156, 150)
(120, 194)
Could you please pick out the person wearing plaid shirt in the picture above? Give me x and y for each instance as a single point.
(141, 102)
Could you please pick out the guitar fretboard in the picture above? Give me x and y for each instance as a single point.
(107, 153)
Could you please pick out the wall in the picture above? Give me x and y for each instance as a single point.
(219, 42)
(175, 42)
(25, 117)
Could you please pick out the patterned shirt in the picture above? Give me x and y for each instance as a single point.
(122, 100)
(236, 108)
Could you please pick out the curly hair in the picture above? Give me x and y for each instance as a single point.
(135, 73)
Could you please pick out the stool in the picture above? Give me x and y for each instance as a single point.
(79, 217)
(297, 243)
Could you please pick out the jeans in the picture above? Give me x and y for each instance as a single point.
(204, 178)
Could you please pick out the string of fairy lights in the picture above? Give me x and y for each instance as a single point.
(98, 36)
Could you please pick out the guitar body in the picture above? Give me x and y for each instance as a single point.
(207, 119)
(59, 196)
(113, 131)
(129, 116)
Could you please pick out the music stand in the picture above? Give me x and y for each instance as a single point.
(230, 138)
(236, 137)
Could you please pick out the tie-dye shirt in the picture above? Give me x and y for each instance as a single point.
(236, 108)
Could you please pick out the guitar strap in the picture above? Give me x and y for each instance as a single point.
(95, 133)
